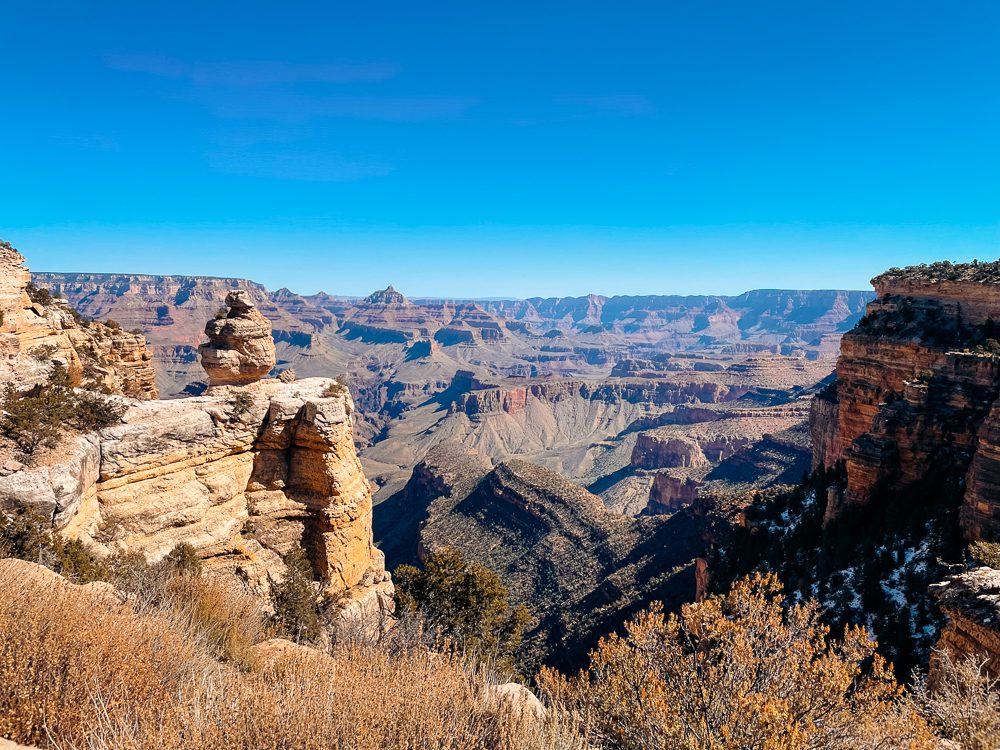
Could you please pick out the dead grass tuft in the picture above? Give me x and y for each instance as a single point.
(79, 672)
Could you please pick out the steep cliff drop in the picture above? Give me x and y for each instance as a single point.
(244, 475)
(916, 392)
(915, 413)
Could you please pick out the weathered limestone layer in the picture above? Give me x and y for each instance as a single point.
(917, 383)
(244, 476)
(33, 335)
(971, 601)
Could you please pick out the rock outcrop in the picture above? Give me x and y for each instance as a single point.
(36, 332)
(669, 493)
(245, 475)
(971, 601)
(240, 348)
(172, 310)
(917, 383)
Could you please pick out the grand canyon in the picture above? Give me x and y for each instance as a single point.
(596, 454)
(500, 376)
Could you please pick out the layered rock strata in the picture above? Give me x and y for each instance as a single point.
(245, 475)
(240, 348)
(578, 567)
(917, 382)
(971, 601)
(35, 334)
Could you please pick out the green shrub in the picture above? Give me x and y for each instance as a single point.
(37, 418)
(294, 599)
(92, 412)
(339, 387)
(182, 560)
(985, 553)
(241, 405)
(39, 295)
(27, 535)
(467, 604)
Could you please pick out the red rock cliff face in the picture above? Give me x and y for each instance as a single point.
(916, 385)
(971, 600)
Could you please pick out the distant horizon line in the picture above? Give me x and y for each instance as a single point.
(441, 298)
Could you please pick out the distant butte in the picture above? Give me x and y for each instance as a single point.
(387, 296)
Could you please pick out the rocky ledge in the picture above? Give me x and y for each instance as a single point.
(971, 601)
(34, 333)
(243, 475)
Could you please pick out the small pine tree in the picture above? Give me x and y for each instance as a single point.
(468, 604)
(294, 599)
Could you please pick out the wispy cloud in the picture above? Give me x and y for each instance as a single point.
(251, 73)
(623, 104)
(293, 107)
(271, 91)
(295, 165)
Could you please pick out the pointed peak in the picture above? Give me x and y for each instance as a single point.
(387, 296)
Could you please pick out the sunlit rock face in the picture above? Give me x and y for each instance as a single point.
(916, 392)
(971, 601)
(33, 335)
(240, 347)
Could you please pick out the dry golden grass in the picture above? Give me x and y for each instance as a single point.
(60, 649)
(228, 621)
(80, 672)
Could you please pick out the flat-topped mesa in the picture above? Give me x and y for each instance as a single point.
(240, 347)
(387, 296)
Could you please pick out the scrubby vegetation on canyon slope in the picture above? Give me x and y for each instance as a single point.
(183, 661)
(873, 565)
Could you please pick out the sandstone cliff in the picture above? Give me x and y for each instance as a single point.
(35, 332)
(971, 602)
(917, 381)
(244, 474)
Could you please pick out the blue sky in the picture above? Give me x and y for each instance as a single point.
(502, 149)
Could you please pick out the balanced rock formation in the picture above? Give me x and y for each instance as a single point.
(917, 386)
(240, 348)
(35, 332)
(244, 475)
(172, 310)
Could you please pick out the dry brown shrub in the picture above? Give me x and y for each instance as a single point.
(358, 699)
(228, 620)
(962, 701)
(740, 671)
(75, 673)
